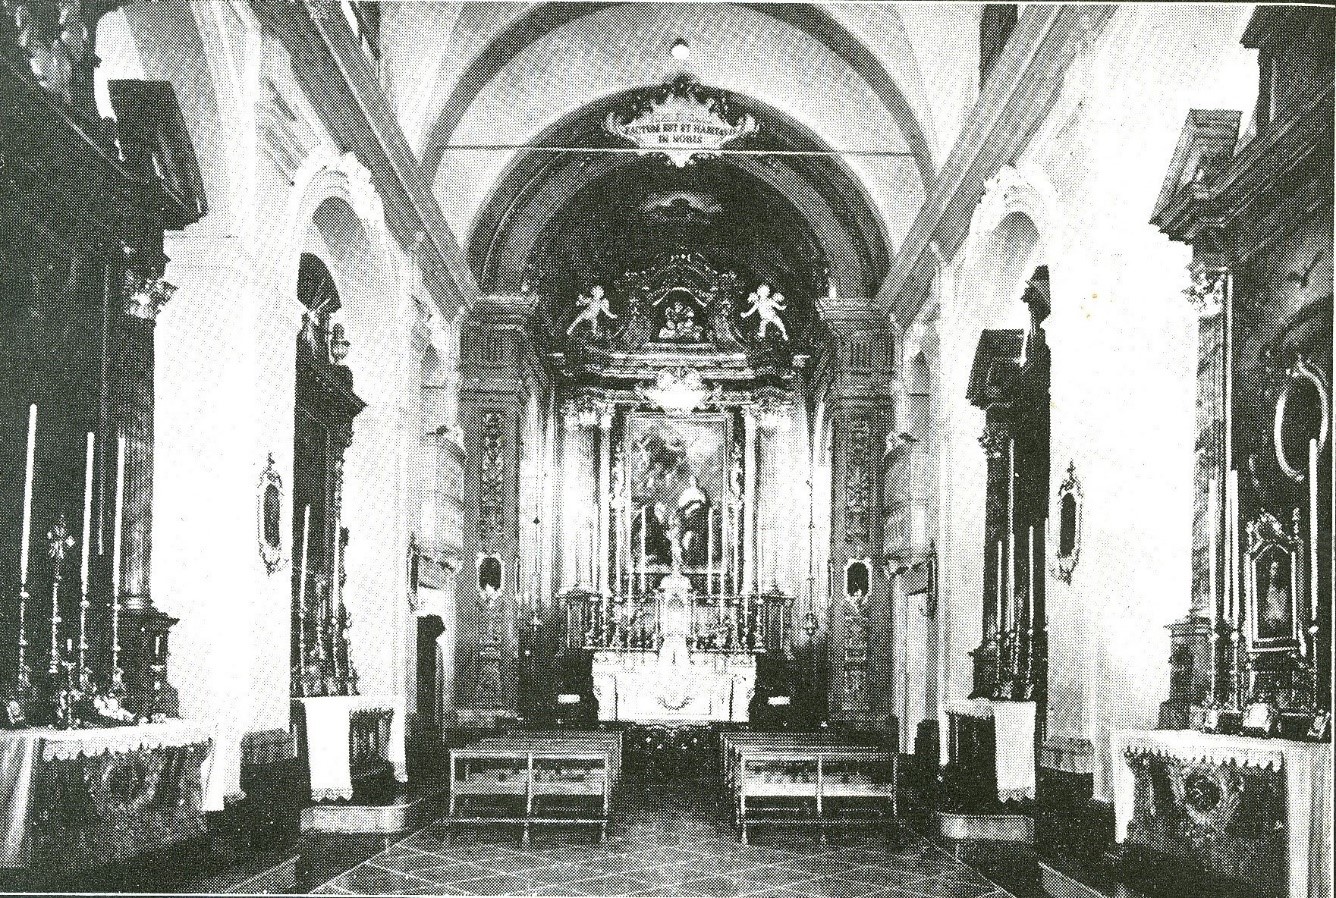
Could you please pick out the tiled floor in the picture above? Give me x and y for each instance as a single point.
(666, 842)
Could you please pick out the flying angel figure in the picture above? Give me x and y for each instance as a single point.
(592, 306)
(767, 306)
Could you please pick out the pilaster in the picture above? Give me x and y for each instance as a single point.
(861, 406)
(497, 352)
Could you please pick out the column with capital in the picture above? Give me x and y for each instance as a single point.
(143, 295)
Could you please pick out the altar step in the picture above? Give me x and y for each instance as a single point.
(403, 810)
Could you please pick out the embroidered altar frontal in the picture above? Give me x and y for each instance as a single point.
(75, 800)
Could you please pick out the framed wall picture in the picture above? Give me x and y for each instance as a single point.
(1273, 585)
(1071, 510)
(269, 516)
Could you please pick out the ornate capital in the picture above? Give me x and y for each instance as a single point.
(588, 411)
(1206, 291)
(145, 295)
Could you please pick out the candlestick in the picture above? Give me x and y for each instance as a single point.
(644, 527)
(83, 562)
(58, 541)
(709, 550)
(27, 493)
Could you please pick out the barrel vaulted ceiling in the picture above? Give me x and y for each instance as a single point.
(889, 82)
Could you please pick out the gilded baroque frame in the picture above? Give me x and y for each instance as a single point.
(269, 517)
(1070, 495)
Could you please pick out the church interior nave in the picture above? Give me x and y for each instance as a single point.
(751, 449)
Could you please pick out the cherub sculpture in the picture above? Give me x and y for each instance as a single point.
(767, 306)
(593, 305)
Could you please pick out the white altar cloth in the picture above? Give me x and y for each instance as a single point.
(328, 724)
(1013, 727)
(1305, 766)
(687, 687)
(22, 750)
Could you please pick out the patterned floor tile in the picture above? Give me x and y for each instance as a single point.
(715, 886)
(834, 887)
(613, 884)
(673, 841)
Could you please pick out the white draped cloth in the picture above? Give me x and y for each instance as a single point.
(1306, 768)
(1013, 725)
(21, 751)
(329, 754)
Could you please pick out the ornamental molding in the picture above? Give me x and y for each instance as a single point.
(682, 120)
(1025, 190)
(1206, 289)
(145, 295)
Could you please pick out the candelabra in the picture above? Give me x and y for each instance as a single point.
(59, 541)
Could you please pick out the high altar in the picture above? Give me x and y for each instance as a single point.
(676, 455)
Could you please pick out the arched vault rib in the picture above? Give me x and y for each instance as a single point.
(544, 18)
(538, 184)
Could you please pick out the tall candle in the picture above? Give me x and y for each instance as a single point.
(1312, 531)
(709, 550)
(1212, 524)
(27, 493)
(998, 623)
(301, 583)
(644, 526)
(1029, 607)
(1231, 546)
(87, 512)
(118, 519)
(1011, 529)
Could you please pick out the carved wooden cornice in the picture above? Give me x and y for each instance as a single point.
(1231, 191)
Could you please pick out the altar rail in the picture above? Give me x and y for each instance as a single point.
(722, 624)
(562, 778)
(802, 774)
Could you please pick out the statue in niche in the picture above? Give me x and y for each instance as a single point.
(679, 318)
(593, 306)
(767, 306)
(721, 322)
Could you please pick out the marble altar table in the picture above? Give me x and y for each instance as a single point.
(1206, 773)
(77, 799)
(649, 687)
